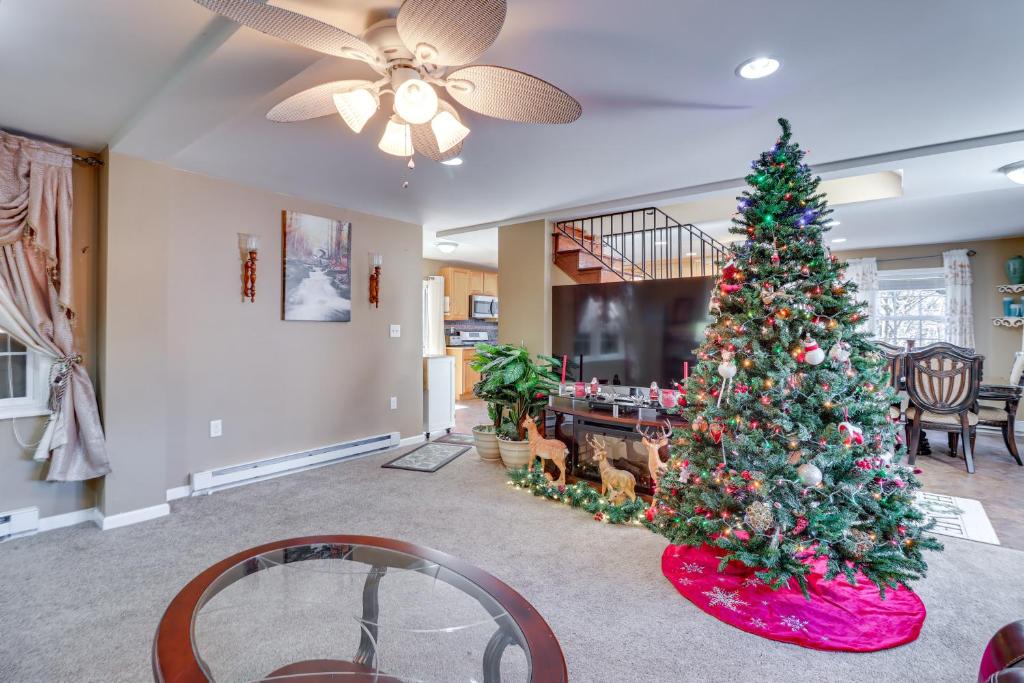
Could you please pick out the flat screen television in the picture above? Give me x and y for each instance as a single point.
(630, 333)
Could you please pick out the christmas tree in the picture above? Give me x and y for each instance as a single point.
(791, 453)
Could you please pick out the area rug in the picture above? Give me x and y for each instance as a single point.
(455, 437)
(430, 457)
(957, 517)
(839, 616)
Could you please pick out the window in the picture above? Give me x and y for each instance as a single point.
(23, 379)
(912, 305)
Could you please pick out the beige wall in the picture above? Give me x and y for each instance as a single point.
(22, 480)
(180, 348)
(987, 268)
(524, 280)
(434, 266)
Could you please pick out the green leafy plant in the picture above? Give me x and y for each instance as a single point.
(513, 384)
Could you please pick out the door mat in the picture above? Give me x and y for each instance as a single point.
(464, 439)
(430, 457)
(958, 517)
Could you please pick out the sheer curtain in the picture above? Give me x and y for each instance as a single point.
(863, 272)
(35, 299)
(959, 312)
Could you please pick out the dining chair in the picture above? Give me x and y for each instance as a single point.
(1008, 396)
(943, 382)
(894, 355)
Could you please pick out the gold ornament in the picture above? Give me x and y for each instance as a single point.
(759, 516)
(862, 543)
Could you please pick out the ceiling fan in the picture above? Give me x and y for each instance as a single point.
(420, 51)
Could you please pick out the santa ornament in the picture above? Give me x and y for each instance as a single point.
(851, 433)
(813, 354)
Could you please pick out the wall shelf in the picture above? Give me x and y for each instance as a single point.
(1017, 321)
(1011, 289)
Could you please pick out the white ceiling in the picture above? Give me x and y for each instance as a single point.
(663, 113)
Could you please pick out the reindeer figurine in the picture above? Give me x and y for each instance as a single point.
(654, 443)
(546, 449)
(615, 482)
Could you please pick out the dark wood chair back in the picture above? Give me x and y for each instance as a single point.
(894, 355)
(1003, 660)
(943, 378)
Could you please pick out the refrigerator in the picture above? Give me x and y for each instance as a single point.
(438, 394)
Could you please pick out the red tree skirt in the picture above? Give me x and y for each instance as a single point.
(837, 617)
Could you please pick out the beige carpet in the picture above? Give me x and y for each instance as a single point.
(82, 605)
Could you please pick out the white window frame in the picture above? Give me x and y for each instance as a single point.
(910, 274)
(37, 381)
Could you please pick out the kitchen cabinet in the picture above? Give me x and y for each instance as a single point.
(491, 284)
(465, 376)
(462, 283)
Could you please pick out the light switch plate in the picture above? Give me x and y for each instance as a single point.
(216, 428)
(394, 403)
(396, 331)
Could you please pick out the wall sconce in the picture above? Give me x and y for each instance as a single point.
(376, 260)
(248, 246)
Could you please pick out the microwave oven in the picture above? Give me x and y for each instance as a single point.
(483, 306)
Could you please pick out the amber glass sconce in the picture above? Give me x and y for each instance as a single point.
(376, 260)
(248, 246)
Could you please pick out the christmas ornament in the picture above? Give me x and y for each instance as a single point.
(862, 543)
(887, 457)
(727, 369)
(801, 524)
(851, 433)
(759, 517)
(809, 474)
(813, 355)
(840, 353)
(716, 430)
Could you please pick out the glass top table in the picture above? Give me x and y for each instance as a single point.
(343, 609)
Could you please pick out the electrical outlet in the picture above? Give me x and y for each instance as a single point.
(396, 331)
(394, 403)
(216, 428)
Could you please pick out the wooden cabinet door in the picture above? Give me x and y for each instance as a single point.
(491, 284)
(458, 300)
(469, 376)
(476, 282)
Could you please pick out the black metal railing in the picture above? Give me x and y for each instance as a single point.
(646, 244)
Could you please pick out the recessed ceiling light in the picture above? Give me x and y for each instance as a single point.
(757, 67)
(1015, 172)
(839, 240)
(446, 246)
(454, 161)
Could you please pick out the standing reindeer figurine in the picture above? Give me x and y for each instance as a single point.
(615, 482)
(654, 442)
(546, 449)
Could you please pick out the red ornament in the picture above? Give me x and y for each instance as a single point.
(801, 524)
(716, 430)
(650, 514)
(598, 516)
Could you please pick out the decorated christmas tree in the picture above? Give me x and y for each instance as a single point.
(791, 450)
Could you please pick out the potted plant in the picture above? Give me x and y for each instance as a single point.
(514, 385)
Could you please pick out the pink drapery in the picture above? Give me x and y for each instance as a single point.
(35, 298)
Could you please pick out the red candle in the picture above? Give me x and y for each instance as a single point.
(686, 370)
(564, 361)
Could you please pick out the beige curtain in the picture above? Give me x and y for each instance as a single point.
(35, 298)
(956, 265)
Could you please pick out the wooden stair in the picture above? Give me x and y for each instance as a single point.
(583, 263)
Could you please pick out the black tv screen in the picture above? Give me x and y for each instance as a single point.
(630, 333)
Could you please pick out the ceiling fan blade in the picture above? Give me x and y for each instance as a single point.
(313, 103)
(448, 32)
(425, 142)
(511, 95)
(293, 27)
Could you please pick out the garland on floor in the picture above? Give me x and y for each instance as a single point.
(579, 495)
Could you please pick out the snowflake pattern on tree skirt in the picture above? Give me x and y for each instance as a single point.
(727, 599)
(752, 582)
(683, 581)
(692, 568)
(794, 623)
(758, 623)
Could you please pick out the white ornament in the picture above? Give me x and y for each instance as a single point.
(840, 352)
(851, 432)
(809, 474)
(887, 457)
(727, 369)
(812, 352)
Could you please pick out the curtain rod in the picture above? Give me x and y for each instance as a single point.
(970, 252)
(88, 161)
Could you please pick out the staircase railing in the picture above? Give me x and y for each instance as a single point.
(646, 244)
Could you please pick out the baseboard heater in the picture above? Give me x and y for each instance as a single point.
(245, 473)
(19, 522)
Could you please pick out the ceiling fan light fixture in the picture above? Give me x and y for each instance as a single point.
(356, 107)
(448, 130)
(415, 100)
(1014, 172)
(397, 138)
(454, 161)
(757, 67)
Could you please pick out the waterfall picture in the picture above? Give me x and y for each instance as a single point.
(317, 270)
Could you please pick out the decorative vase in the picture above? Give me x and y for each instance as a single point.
(486, 442)
(1015, 270)
(514, 453)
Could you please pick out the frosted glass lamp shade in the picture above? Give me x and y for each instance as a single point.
(397, 138)
(356, 107)
(416, 101)
(376, 260)
(247, 242)
(448, 130)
